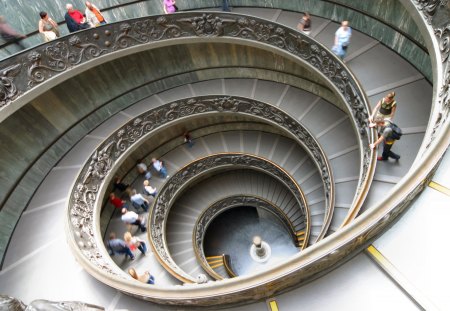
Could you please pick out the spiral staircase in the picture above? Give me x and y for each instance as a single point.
(236, 155)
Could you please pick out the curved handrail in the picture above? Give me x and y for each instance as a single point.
(224, 260)
(212, 211)
(28, 74)
(176, 185)
(227, 264)
(85, 197)
(347, 241)
(218, 207)
(245, 29)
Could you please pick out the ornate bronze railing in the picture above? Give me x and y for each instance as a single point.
(175, 186)
(350, 239)
(51, 67)
(85, 199)
(28, 74)
(15, 91)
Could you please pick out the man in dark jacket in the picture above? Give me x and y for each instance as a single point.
(118, 246)
(74, 19)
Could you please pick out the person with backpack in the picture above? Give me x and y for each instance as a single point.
(389, 133)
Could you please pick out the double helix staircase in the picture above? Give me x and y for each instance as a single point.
(378, 69)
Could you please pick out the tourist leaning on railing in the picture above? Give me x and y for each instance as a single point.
(93, 15)
(48, 27)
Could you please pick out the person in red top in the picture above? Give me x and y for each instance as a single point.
(117, 202)
(74, 19)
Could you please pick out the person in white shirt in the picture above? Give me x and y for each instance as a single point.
(131, 218)
(342, 39)
(138, 200)
(160, 168)
(149, 190)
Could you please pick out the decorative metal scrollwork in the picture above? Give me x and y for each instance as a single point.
(60, 56)
(54, 58)
(85, 194)
(436, 13)
(8, 89)
(171, 189)
(429, 7)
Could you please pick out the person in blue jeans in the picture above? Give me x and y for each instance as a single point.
(118, 246)
(225, 6)
(144, 278)
(160, 168)
(342, 39)
(139, 201)
(135, 242)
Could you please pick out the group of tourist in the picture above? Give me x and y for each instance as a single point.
(126, 246)
(124, 198)
(48, 28)
(75, 20)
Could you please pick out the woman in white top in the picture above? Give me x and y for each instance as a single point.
(149, 190)
(48, 27)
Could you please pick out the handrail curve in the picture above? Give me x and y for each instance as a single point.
(212, 211)
(177, 183)
(92, 181)
(328, 252)
(30, 73)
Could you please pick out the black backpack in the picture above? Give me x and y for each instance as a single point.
(396, 131)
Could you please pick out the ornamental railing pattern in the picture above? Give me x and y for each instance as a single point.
(25, 71)
(25, 75)
(437, 15)
(215, 209)
(87, 193)
(173, 188)
(351, 239)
